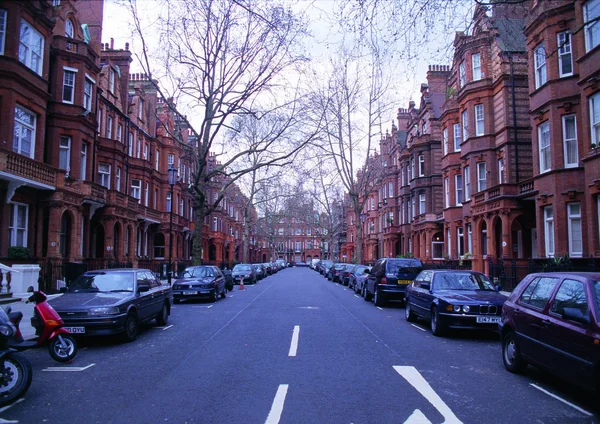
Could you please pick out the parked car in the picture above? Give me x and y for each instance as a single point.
(228, 278)
(114, 301)
(345, 277)
(552, 320)
(200, 282)
(324, 267)
(389, 278)
(269, 268)
(454, 299)
(244, 272)
(358, 276)
(334, 273)
(261, 271)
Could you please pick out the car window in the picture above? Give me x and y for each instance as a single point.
(404, 265)
(427, 276)
(571, 294)
(104, 282)
(538, 292)
(151, 280)
(596, 293)
(244, 268)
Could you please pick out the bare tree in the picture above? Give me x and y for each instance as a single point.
(222, 59)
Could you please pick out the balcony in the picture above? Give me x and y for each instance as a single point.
(20, 170)
(74, 46)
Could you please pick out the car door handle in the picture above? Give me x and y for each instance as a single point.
(546, 323)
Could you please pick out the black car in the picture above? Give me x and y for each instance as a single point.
(200, 282)
(454, 299)
(113, 301)
(334, 273)
(389, 278)
(358, 274)
(345, 278)
(261, 271)
(244, 272)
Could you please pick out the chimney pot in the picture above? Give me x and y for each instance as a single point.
(126, 46)
(112, 43)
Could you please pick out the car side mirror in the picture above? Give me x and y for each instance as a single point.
(575, 314)
(143, 288)
(366, 271)
(30, 289)
(425, 286)
(497, 287)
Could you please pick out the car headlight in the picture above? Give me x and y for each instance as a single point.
(456, 308)
(6, 330)
(103, 311)
(466, 308)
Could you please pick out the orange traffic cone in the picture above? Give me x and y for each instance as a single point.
(242, 284)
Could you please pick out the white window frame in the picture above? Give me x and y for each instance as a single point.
(13, 229)
(3, 15)
(136, 189)
(476, 67)
(470, 238)
(83, 161)
(422, 204)
(467, 180)
(130, 144)
(591, 10)
(570, 143)
(69, 84)
(565, 53)
(462, 74)
(549, 231)
(146, 194)
(445, 141)
(170, 160)
(88, 90)
(595, 118)
(141, 109)
(458, 189)
(457, 137)
(464, 118)
(104, 174)
(19, 127)
(64, 154)
(544, 151)
(111, 80)
(157, 160)
(479, 120)
(109, 127)
(501, 175)
(30, 54)
(460, 236)
(447, 192)
(539, 65)
(118, 179)
(481, 176)
(421, 165)
(181, 206)
(575, 230)
(120, 133)
(390, 189)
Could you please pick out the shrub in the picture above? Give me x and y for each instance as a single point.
(18, 252)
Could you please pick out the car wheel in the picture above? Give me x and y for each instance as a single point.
(163, 317)
(131, 328)
(365, 293)
(408, 313)
(436, 326)
(215, 296)
(377, 299)
(511, 354)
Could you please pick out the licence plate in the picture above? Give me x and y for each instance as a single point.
(404, 281)
(204, 291)
(75, 330)
(487, 320)
(189, 292)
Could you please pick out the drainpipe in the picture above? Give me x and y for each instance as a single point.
(514, 107)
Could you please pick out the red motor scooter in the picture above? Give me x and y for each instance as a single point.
(48, 327)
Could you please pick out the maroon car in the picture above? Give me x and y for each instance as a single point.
(551, 320)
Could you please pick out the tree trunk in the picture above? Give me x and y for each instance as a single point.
(198, 233)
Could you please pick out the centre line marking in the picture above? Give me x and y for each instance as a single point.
(357, 296)
(68, 369)
(561, 399)
(294, 344)
(416, 326)
(277, 408)
(381, 309)
(167, 327)
(210, 306)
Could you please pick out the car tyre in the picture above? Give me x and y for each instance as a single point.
(131, 328)
(436, 325)
(408, 313)
(163, 316)
(215, 296)
(366, 295)
(377, 300)
(511, 354)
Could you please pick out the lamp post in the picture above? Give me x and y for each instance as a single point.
(172, 173)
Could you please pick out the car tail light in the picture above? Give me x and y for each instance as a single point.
(383, 280)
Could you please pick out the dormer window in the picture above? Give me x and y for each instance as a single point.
(111, 80)
(69, 29)
(141, 110)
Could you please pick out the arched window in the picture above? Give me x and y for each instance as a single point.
(69, 29)
(65, 231)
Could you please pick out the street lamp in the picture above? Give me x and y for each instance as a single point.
(172, 173)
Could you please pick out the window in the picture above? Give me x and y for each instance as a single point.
(2, 30)
(109, 127)
(146, 148)
(372, 203)
(591, 11)
(479, 128)
(83, 162)
(298, 231)
(421, 203)
(118, 179)
(544, 147)
(31, 47)
(155, 199)
(64, 154)
(69, 30)
(136, 189)
(390, 189)
(467, 176)
(465, 124)
(146, 194)
(412, 167)
(481, 176)
(297, 246)
(168, 208)
(104, 175)
(446, 192)
(570, 141)
(460, 238)
(575, 231)
(413, 210)
(470, 237)
(476, 63)
(458, 184)
(462, 74)
(539, 63)
(24, 134)
(99, 120)
(457, 138)
(181, 207)
(538, 292)
(68, 92)
(120, 133)
(571, 294)
(170, 160)
(87, 94)
(595, 118)
(421, 165)
(501, 171)
(156, 159)
(111, 80)
(17, 224)
(138, 150)
(565, 57)
(549, 231)
(130, 144)
(445, 141)
(141, 109)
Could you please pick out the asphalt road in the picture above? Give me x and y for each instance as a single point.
(295, 348)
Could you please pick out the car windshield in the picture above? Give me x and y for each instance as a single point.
(198, 271)
(461, 281)
(242, 268)
(596, 286)
(339, 266)
(405, 265)
(105, 282)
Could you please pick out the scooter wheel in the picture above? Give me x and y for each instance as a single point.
(15, 377)
(62, 348)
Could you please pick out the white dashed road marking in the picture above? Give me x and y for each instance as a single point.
(416, 326)
(167, 327)
(68, 369)
(294, 344)
(583, 411)
(277, 408)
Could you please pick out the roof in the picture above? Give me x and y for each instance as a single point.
(511, 35)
